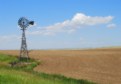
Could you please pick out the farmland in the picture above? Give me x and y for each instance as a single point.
(102, 66)
(22, 73)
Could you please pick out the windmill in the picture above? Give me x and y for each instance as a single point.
(24, 24)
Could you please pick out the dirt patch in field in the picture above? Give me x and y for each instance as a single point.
(99, 65)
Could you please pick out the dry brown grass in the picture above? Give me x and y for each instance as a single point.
(100, 65)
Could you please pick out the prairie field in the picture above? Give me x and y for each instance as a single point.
(102, 66)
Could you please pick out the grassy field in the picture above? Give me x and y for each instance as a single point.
(102, 66)
(24, 74)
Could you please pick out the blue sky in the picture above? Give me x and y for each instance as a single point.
(61, 23)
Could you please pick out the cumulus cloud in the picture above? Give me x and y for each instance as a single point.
(111, 25)
(79, 20)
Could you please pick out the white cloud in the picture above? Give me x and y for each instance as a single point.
(9, 42)
(78, 21)
(111, 25)
(71, 31)
(81, 19)
(8, 38)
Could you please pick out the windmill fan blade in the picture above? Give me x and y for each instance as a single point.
(31, 22)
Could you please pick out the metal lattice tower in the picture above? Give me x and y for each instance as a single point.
(24, 23)
(24, 51)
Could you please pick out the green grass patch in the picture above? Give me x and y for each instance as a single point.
(20, 77)
(7, 58)
(22, 73)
